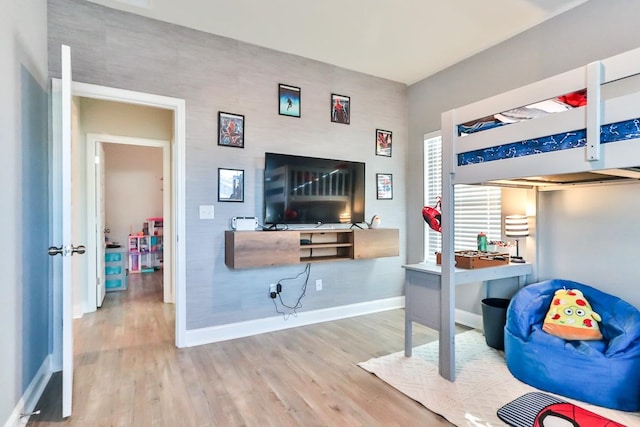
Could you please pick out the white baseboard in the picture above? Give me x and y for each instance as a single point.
(77, 311)
(31, 395)
(260, 326)
(469, 319)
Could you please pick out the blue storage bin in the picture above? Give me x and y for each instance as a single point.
(113, 257)
(113, 270)
(112, 284)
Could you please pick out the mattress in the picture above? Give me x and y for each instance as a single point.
(619, 131)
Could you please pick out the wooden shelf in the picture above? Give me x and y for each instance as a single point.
(326, 245)
(322, 259)
(244, 249)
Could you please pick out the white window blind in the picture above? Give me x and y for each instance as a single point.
(477, 207)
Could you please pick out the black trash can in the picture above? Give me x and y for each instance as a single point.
(494, 318)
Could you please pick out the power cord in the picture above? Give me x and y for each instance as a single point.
(284, 315)
(306, 272)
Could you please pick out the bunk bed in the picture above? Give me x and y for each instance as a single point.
(598, 141)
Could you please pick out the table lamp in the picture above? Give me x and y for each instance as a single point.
(516, 226)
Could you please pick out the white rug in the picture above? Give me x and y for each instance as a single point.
(483, 383)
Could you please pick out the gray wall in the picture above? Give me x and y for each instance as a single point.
(591, 31)
(24, 230)
(214, 74)
(36, 293)
(592, 236)
(128, 206)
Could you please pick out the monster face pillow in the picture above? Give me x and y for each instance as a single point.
(570, 317)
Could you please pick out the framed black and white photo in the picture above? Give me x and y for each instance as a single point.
(384, 184)
(340, 109)
(289, 100)
(230, 185)
(383, 143)
(230, 129)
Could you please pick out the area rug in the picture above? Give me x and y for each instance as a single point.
(483, 383)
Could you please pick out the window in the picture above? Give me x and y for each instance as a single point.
(477, 207)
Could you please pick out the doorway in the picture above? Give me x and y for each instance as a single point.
(141, 128)
(126, 195)
(173, 177)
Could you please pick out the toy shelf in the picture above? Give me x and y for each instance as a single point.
(146, 249)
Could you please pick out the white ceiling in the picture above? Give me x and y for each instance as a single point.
(400, 40)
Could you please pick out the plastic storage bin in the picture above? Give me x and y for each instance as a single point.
(115, 269)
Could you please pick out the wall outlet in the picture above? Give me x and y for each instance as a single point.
(273, 290)
(318, 284)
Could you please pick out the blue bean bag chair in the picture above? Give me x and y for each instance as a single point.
(602, 372)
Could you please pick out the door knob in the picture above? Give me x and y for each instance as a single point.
(66, 250)
(53, 251)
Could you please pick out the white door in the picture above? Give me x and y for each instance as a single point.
(61, 212)
(100, 224)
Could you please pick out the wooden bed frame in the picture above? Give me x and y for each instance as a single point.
(601, 109)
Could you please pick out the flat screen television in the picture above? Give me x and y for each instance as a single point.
(309, 190)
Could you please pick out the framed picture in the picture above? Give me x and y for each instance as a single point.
(288, 100)
(230, 185)
(384, 184)
(383, 143)
(230, 129)
(340, 109)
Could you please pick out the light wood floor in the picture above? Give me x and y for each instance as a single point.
(129, 373)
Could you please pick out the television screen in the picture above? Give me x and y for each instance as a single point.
(309, 190)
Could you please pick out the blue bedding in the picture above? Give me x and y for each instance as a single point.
(628, 129)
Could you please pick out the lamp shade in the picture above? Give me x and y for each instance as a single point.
(516, 226)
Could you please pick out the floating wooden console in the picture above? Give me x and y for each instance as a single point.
(378, 243)
(244, 249)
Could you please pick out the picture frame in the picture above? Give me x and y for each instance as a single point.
(231, 129)
(383, 142)
(230, 185)
(384, 186)
(340, 109)
(289, 100)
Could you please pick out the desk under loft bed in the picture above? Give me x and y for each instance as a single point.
(599, 141)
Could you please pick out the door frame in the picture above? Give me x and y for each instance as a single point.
(99, 205)
(178, 185)
(168, 287)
